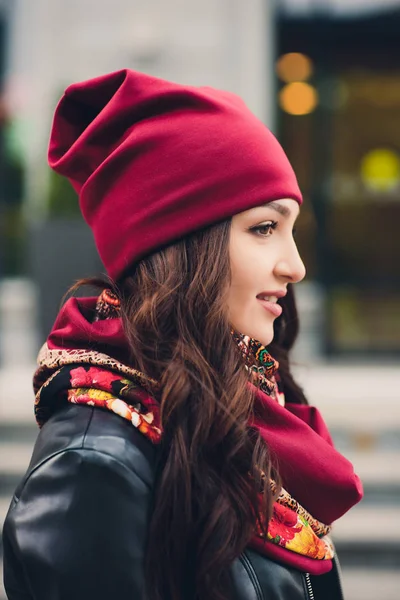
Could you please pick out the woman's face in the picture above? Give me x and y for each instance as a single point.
(264, 259)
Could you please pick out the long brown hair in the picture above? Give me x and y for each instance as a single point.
(209, 478)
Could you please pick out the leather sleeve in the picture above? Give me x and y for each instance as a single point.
(78, 530)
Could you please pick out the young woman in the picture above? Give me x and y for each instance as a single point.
(175, 460)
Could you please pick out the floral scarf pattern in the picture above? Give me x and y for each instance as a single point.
(261, 367)
(93, 379)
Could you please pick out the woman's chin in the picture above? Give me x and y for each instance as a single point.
(264, 336)
(266, 340)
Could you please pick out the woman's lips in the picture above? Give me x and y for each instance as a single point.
(272, 307)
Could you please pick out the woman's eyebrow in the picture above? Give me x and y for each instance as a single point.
(280, 208)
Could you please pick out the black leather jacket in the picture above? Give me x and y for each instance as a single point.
(76, 528)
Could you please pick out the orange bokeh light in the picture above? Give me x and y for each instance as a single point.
(294, 66)
(298, 98)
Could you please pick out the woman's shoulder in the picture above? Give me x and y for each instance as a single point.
(96, 435)
(87, 493)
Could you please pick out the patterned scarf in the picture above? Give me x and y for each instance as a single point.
(89, 377)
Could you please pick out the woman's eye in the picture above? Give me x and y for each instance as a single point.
(265, 229)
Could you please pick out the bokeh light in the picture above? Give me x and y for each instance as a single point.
(294, 66)
(298, 98)
(380, 170)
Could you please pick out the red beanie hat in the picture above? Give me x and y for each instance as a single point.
(153, 161)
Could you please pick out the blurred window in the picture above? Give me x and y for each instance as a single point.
(345, 149)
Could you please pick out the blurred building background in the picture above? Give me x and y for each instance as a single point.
(325, 76)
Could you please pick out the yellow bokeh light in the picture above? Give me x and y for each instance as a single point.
(298, 98)
(294, 66)
(380, 170)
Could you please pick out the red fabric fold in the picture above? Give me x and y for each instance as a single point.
(73, 329)
(312, 470)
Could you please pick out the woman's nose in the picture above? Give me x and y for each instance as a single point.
(290, 266)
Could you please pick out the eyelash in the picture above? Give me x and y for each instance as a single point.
(270, 225)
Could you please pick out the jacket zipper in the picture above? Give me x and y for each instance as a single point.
(309, 587)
